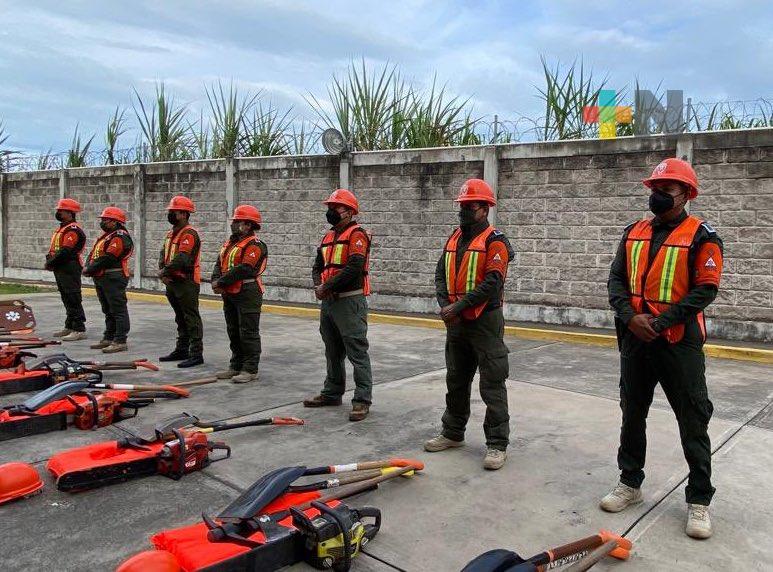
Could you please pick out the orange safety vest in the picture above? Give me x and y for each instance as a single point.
(232, 255)
(470, 272)
(661, 282)
(335, 254)
(172, 245)
(99, 249)
(56, 240)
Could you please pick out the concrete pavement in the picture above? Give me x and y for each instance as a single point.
(565, 422)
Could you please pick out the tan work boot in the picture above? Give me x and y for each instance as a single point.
(321, 401)
(245, 377)
(622, 496)
(61, 333)
(441, 443)
(698, 522)
(494, 459)
(74, 336)
(227, 374)
(359, 411)
(100, 345)
(114, 348)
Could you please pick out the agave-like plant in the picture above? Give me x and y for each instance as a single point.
(164, 126)
(439, 121)
(368, 106)
(116, 126)
(47, 160)
(267, 132)
(305, 137)
(5, 154)
(228, 112)
(78, 152)
(202, 146)
(566, 94)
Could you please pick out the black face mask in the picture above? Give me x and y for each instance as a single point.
(236, 229)
(171, 216)
(661, 203)
(105, 226)
(333, 216)
(466, 217)
(58, 216)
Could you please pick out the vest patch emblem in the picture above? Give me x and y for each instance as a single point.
(710, 263)
(496, 257)
(358, 243)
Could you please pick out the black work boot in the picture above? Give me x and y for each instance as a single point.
(176, 355)
(192, 361)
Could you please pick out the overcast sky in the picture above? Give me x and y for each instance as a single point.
(68, 62)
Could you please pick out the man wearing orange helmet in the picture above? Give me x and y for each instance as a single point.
(108, 264)
(237, 278)
(179, 270)
(469, 283)
(341, 282)
(64, 260)
(666, 272)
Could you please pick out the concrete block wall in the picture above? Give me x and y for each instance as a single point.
(289, 193)
(562, 204)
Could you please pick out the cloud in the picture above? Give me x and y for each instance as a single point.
(70, 62)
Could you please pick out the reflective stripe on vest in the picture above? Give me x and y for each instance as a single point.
(99, 248)
(56, 240)
(232, 255)
(335, 254)
(471, 271)
(172, 245)
(657, 284)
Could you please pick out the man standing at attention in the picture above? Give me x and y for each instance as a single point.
(108, 264)
(64, 260)
(341, 281)
(469, 283)
(666, 272)
(236, 277)
(180, 271)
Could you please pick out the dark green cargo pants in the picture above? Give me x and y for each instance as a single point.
(183, 296)
(242, 321)
(343, 324)
(472, 345)
(111, 291)
(68, 282)
(680, 369)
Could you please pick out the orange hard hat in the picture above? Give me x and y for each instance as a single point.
(150, 561)
(675, 170)
(114, 213)
(345, 198)
(181, 203)
(476, 190)
(68, 205)
(247, 212)
(18, 480)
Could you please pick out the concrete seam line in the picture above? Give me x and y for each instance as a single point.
(757, 355)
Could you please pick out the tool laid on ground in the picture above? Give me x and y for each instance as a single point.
(16, 317)
(58, 368)
(18, 480)
(594, 557)
(82, 404)
(275, 523)
(502, 560)
(173, 447)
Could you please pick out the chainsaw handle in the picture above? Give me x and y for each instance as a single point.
(218, 446)
(371, 530)
(146, 364)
